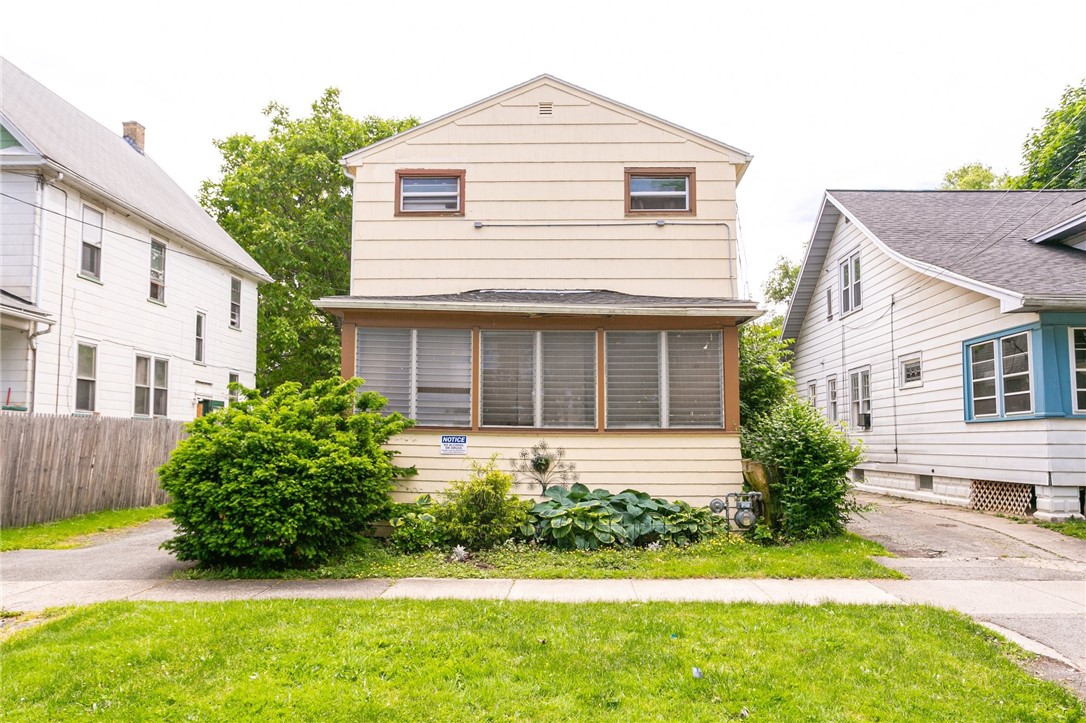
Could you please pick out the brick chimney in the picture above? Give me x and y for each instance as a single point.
(133, 133)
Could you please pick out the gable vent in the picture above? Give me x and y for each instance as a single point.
(546, 108)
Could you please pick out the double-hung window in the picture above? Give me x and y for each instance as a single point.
(430, 193)
(151, 386)
(424, 373)
(90, 260)
(831, 398)
(1000, 377)
(848, 274)
(235, 303)
(539, 379)
(859, 382)
(158, 272)
(232, 378)
(201, 323)
(812, 393)
(86, 377)
(654, 191)
(666, 379)
(1078, 369)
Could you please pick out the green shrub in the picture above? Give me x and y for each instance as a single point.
(586, 520)
(480, 513)
(283, 480)
(415, 528)
(765, 369)
(810, 458)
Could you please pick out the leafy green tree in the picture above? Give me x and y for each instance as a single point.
(765, 369)
(782, 280)
(973, 177)
(286, 200)
(1055, 155)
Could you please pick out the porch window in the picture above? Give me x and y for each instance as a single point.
(669, 379)
(660, 190)
(539, 378)
(999, 371)
(430, 193)
(424, 373)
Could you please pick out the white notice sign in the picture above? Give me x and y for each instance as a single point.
(454, 444)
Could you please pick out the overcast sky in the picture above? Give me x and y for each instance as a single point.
(861, 95)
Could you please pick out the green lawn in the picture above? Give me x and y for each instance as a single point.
(66, 534)
(848, 556)
(402, 660)
(1071, 528)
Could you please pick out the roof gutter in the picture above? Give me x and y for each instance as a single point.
(70, 174)
(746, 312)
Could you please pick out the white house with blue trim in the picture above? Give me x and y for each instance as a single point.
(947, 331)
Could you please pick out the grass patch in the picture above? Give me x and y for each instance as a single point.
(847, 556)
(1071, 528)
(481, 660)
(66, 534)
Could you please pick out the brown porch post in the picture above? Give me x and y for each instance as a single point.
(731, 378)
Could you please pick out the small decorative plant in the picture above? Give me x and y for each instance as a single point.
(546, 467)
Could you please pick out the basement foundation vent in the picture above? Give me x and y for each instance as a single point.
(546, 108)
(1000, 497)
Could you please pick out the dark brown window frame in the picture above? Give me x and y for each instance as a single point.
(691, 190)
(402, 173)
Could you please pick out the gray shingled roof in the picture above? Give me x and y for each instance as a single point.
(981, 235)
(21, 307)
(85, 149)
(591, 301)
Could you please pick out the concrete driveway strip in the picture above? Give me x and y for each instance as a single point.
(982, 597)
(34, 596)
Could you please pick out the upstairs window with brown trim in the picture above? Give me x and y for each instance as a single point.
(660, 191)
(421, 192)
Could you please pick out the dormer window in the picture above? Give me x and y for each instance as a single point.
(659, 191)
(430, 192)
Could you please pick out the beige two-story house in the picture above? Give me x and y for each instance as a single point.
(549, 264)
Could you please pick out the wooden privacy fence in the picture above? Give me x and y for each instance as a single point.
(54, 466)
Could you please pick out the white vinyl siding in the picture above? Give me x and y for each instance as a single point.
(664, 379)
(539, 379)
(424, 373)
(90, 260)
(1078, 368)
(86, 377)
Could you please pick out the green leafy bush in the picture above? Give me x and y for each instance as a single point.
(415, 528)
(480, 513)
(282, 480)
(810, 458)
(586, 520)
(765, 369)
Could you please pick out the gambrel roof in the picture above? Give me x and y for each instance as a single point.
(740, 157)
(68, 141)
(1005, 244)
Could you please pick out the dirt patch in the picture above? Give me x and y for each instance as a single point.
(1054, 671)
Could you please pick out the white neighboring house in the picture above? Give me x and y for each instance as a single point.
(120, 295)
(947, 330)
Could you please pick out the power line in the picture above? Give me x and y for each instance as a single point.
(145, 241)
